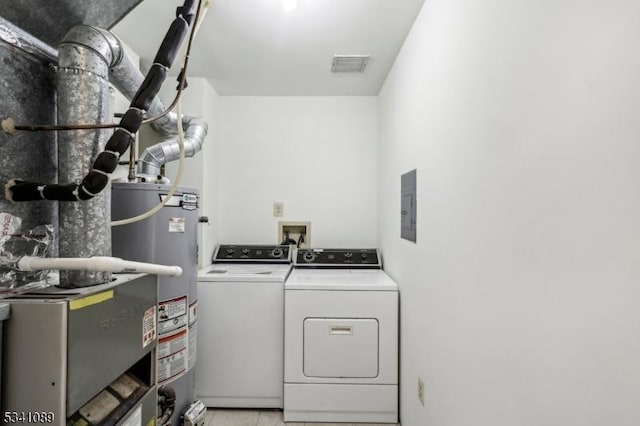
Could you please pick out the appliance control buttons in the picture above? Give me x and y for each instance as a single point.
(346, 258)
(252, 253)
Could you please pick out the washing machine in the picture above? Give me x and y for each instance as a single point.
(241, 317)
(341, 338)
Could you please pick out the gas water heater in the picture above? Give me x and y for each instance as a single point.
(169, 236)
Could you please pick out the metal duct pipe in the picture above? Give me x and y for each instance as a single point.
(84, 58)
(155, 156)
(107, 161)
(127, 78)
(88, 58)
(27, 79)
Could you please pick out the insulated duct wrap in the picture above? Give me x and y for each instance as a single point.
(127, 78)
(83, 97)
(27, 76)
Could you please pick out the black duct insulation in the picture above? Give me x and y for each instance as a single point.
(107, 161)
(150, 87)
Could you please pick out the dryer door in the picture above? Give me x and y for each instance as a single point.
(341, 347)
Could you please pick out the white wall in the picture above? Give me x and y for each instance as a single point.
(520, 297)
(317, 155)
(210, 177)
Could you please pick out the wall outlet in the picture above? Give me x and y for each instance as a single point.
(421, 390)
(295, 232)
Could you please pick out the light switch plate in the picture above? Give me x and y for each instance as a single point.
(278, 209)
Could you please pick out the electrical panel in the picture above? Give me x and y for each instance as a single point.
(408, 208)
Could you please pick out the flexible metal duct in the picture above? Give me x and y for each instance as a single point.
(155, 156)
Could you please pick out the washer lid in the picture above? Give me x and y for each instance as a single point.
(245, 272)
(340, 279)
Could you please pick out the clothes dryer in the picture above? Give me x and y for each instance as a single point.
(341, 338)
(240, 348)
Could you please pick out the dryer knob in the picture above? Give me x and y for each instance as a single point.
(363, 255)
(245, 251)
(276, 252)
(230, 251)
(309, 257)
(348, 255)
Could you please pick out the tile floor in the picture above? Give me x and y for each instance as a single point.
(229, 417)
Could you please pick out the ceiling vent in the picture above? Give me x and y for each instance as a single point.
(349, 63)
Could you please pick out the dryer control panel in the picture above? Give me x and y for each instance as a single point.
(338, 258)
(252, 253)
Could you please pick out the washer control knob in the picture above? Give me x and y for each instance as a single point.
(276, 252)
(348, 255)
(309, 256)
(230, 251)
(364, 255)
(245, 251)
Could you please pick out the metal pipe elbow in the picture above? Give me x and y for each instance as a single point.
(195, 132)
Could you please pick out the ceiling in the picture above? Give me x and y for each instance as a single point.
(258, 47)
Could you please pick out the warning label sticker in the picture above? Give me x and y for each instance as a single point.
(193, 338)
(171, 325)
(172, 366)
(171, 308)
(148, 326)
(172, 344)
(176, 338)
(177, 224)
(193, 312)
(172, 314)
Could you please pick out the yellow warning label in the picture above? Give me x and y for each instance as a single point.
(90, 300)
(151, 422)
